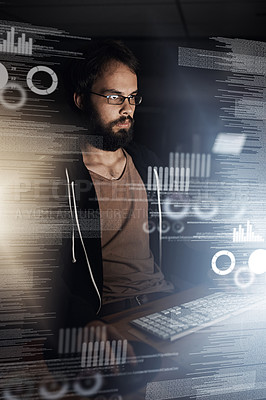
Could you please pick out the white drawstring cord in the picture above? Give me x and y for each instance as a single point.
(71, 213)
(160, 214)
(87, 259)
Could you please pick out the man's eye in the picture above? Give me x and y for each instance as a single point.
(113, 97)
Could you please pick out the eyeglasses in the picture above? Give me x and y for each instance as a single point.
(118, 99)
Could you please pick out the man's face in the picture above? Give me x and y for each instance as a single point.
(113, 122)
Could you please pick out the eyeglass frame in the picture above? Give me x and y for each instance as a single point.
(121, 96)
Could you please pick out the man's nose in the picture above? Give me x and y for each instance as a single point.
(126, 108)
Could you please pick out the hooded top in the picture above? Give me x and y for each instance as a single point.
(77, 281)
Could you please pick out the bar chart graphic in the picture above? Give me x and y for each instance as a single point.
(239, 235)
(170, 179)
(104, 353)
(93, 346)
(182, 169)
(22, 46)
(71, 339)
(199, 164)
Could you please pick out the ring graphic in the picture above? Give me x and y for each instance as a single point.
(52, 394)
(49, 71)
(149, 227)
(20, 103)
(165, 227)
(19, 389)
(240, 284)
(204, 212)
(223, 271)
(178, 227)
(80, 387)
(175, 211)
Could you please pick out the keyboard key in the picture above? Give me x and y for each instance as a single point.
(181, 320)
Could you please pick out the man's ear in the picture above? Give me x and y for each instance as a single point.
(78, 100)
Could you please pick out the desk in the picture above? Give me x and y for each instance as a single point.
(224, 361)
(176, 351)
(121, 321)
(35, 372)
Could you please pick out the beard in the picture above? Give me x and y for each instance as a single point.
(102, 135)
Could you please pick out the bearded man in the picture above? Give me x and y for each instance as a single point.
(111, 258)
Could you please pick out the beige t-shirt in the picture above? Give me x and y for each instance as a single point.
(128, 264)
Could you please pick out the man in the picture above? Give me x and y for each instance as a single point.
(111, 260)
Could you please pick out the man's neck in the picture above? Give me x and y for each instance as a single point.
(109, 164)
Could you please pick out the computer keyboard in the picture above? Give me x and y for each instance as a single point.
(178, 321)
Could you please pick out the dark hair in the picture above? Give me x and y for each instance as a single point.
(80, 74)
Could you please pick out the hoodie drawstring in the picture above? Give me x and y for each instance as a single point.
(72, 219)
(160, 215)
(71, 188)
(80, 235)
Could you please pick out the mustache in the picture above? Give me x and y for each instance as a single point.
(122, 120)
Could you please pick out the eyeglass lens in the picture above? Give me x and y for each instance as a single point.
(134, 100)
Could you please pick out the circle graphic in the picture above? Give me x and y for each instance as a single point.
(257, 261)
(88, 385)
(223, 271)
(19, 389)
(20, 103)
(180, 212)
(3, 76)
(149, 227)
(178, 227)
(8, 395)
(49, 71)
(240, 284)
(53, 392)
(165, 227)
(205, 211)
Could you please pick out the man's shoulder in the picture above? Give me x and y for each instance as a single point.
(141, 154)
(72, 166)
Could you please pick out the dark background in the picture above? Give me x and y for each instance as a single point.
(180, 111)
